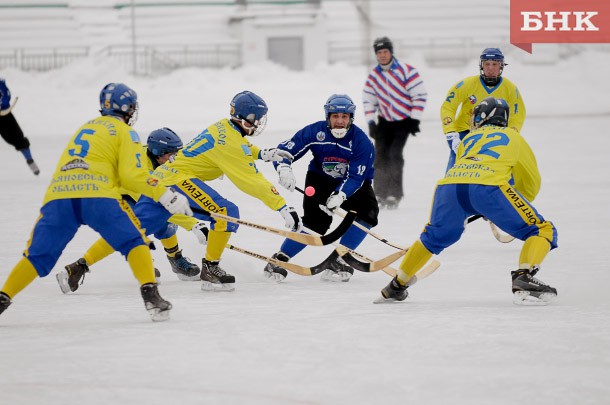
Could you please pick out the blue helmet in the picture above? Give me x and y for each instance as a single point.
(162, 141)
(119, 100)
(491, 111)
(494, 54)
(247, 106)
(339, 103)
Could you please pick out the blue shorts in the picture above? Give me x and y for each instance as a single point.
(60, 219)
(154, 216)
(502, 205)
(167, 232)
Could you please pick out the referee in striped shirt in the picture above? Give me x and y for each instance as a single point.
(394, 99)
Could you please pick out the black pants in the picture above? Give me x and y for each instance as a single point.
(11, 132)
(390, 141)
(362, 201)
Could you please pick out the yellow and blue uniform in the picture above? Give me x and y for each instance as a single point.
(146, 160)
(466, 94)
(495, 176)
(166, 234)
(103, 155)
(184, 221)
(219, 150)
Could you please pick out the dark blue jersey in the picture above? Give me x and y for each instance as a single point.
(349, 159)
(5, 96)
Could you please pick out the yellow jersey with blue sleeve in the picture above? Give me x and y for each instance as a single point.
(103, 155)
(221, 150)
(494, 155)
(467, 93)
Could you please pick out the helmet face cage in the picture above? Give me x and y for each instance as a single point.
(490, 111)
(494, 54)
(133, 117)
(339, 103)
(117, 99)
(247, 107)
(163, 141)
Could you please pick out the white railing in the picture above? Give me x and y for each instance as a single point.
(41, 59)
(155, 60)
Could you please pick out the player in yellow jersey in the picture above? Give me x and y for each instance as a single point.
(468, 92)
(221, 149)
(102, 155)
(161, 146)
(481, 182)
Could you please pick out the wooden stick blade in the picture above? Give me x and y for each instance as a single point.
(294, 268)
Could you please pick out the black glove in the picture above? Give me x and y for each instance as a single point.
(412, 126)
(372, 129)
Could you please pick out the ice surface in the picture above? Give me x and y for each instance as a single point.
(457, 339)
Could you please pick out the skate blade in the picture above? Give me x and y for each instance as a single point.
(526, 299)
(34, 168)
(157, 315)
(207, 286)
(62, 280)
(383, 300)
(184, 277)
(342, 276)
(274, 277)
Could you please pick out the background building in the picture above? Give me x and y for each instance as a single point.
(155, 36)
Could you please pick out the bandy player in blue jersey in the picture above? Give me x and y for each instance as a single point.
(341, 172)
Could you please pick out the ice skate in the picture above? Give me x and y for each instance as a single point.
(528, 290)
(157, 307)
(184, 269)
(5, 301)
(69, 277)
(391, 203)
(214, 278)
(33, 166)
(336, 268)
(274, 272)
(394, 291)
